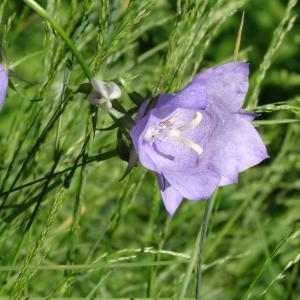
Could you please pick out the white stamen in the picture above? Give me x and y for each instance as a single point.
(176, 135)
(195, 121)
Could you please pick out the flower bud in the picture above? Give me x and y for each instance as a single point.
(103, 93)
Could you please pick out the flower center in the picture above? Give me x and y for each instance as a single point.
(166, 129)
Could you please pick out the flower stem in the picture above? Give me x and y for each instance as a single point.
(43, 13)
(198, 251)
(204, 227)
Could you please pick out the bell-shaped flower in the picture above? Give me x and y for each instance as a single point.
(3, 84)
(200, 138)
(103, 93)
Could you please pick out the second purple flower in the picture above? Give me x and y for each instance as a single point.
(3, 84)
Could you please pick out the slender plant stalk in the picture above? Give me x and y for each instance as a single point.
(95, 266)
(198, 250)
(204, 227)
(43, 13)
(238, 39)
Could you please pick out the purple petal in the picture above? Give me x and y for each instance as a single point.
(171, 197)
(193, 96)
(145, 150)
(162, 100)
(228, 180)
(227, 84)
(3, 84)
(235, 145)
(194, 184)
(138, 131)
(137, 137)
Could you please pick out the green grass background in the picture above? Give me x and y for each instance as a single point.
(83, 233)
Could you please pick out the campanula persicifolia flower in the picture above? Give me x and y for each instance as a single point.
(200, 138)
(3, 84)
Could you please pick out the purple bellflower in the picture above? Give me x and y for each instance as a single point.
(200, 138)
(3, 84)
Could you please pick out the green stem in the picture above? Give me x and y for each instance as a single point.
(114, 112)
(198, 251)
(43, 13)
(204, 227)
